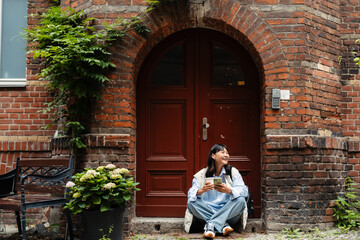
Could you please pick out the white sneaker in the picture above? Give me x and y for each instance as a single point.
(209, 231)
(227, 229)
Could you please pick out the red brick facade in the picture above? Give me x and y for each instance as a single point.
(309, 145)
(350, 83)
(21, 125)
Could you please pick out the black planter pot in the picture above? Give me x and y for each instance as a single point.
(95, 220)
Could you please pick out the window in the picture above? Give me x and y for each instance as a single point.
(13, 19)
(169, 71)
(227, 71)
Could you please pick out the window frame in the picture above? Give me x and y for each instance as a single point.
(11, 82)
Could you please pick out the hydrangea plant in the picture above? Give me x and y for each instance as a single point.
(100, 189)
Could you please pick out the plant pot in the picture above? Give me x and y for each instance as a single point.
(95, 220)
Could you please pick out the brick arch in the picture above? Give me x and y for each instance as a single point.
(229, 17)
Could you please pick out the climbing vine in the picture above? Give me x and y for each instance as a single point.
(76, 60)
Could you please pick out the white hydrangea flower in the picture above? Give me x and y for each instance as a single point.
(115, 171)
(86, 177)
(114, 175)
(70, 184)
(100, 168)
(93, 172)
(124, 171)
(121, 171)
(110, 166)
(110, 185)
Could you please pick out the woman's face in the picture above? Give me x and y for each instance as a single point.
(221, 157)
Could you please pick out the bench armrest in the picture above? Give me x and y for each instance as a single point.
(7, 183)
(10, 174)
(66, 173)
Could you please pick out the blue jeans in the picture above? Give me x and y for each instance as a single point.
(230, 212)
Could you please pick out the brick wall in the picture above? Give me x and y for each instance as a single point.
(302, 176)
(309, 35)
(350, 32)
(295, 44)
(21, 132)
(303, 155)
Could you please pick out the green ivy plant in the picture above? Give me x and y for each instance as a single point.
(76, 60)
(347, 208)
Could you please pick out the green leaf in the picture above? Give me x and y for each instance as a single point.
(127, 197)
(105, 206)
(119, 201)
(96, 199)
(82, 205)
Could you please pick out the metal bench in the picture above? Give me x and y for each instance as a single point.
(42, 184)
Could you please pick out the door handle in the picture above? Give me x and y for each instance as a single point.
(205, 126)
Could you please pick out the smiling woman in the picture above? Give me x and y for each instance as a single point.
(219, 205)
(221, 159)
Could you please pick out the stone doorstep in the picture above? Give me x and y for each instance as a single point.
(156, 225)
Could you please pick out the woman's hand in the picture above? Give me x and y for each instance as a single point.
(207, 187)
(223, 188)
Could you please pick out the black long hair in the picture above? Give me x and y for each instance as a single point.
(211, 167)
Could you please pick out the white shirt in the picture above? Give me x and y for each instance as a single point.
(215, 199)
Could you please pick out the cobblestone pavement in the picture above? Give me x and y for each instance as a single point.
(333, 234)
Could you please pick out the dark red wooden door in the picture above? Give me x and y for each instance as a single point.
(196, 88)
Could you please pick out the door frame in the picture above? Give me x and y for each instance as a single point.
(197, 164)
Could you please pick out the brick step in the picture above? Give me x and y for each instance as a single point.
(149, 225)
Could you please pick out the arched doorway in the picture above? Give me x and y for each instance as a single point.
(197, 87)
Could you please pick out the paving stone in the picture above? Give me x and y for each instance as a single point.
(332, 234)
